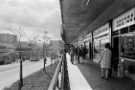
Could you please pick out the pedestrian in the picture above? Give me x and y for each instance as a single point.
(105, 61)
(90, 51)
(72, 54)
(75, 53)
(44, 63)
(45, 60)
(81, 53)
(85, 51)
(78, 54)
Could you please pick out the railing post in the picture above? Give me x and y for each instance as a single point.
(62, 72)
(66, 78)
(57, 85)
(60, 79)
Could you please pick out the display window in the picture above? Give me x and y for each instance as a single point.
(127, 47)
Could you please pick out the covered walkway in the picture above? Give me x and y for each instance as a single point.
(76, 79)
(86, 76)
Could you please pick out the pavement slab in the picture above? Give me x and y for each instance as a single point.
(92, 74)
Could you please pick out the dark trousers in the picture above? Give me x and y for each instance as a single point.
(105, 73)
(72, 59)
(78, 58)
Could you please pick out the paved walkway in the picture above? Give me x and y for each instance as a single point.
(86, 76)
(76, 79)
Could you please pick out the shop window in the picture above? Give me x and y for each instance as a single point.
(124, 30)
(131, 69)
(115, 32)
(132, 28)
(127, 48)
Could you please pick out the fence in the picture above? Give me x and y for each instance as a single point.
(60, 80)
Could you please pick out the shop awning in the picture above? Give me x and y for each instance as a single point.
(83, 16)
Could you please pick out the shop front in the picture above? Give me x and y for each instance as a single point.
(124, 43)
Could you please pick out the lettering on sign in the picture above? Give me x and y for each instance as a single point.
(124, 20)
(102, 31)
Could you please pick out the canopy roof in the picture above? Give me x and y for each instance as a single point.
(83, 16)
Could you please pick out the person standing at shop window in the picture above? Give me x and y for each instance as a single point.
(72, 53)
(105, 61)
(78, 53)
(85, 51)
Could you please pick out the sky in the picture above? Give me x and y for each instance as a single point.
(30, 18)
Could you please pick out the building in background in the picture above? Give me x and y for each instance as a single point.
(9, 39)
(54, 48)
(8, 44)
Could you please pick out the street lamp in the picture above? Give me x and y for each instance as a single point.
(19, 50)
(44, 54)
(44, 49)
(21, 67)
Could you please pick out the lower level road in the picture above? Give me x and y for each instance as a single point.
(10, 74)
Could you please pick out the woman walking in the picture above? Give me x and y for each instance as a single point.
(105, 62)
(72, 53)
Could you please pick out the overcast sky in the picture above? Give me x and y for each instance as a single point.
(30, 17)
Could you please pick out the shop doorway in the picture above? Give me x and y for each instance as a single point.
(115, 53)
(90, 51)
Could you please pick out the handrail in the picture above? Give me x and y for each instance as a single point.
(55, 76)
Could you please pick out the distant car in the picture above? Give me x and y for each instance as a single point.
(34, 59)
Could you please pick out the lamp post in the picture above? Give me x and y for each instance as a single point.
(19, 51)
(20, 60)
(21, 72)
(21, 66)
(44, 49)
(44, 56)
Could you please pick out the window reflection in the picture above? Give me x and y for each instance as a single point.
(128, 47)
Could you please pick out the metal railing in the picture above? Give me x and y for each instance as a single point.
(60, 79)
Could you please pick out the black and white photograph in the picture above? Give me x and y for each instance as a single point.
(67, 44)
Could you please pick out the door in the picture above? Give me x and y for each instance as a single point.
(115, 53)
(90, 51)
